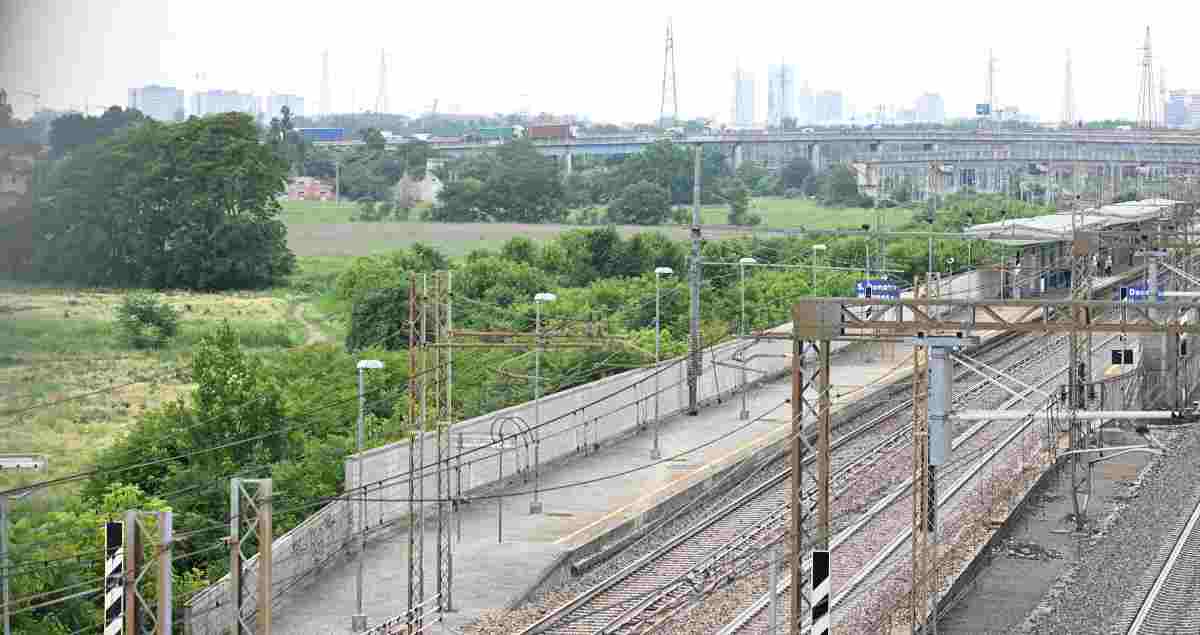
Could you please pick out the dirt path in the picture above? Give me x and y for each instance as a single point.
(312, 333)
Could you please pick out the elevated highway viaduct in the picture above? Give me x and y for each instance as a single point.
(931, 160)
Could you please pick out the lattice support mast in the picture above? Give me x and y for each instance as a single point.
(668, 103)
(921, 479)
(1147, 98)
(250, 522)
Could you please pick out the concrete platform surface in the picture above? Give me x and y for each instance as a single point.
(497, 560)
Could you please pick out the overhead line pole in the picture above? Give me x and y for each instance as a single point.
(694, 350)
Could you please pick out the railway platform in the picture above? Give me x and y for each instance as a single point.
(503, 551)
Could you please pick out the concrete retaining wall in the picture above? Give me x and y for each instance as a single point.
(573, 421)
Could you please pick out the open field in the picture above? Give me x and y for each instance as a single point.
(57, 346)
(310, 236)
(453, 239)
(793, 212)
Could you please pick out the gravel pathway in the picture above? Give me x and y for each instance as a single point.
(1088, 598)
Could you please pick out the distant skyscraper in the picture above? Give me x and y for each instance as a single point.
(275, 103)
(1177, 109)
(161, 103)
(743, 98)
(211, 102)
(804, 104)
(930, 108)
(781, 93)
(829, 107)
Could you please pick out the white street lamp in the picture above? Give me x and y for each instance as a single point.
(659, 272)
(535, 506)
(358, 623)
(742, 262)
(815, 249)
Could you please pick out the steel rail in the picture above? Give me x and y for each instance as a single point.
(622, 616)
(1166, 606)
(760, 604)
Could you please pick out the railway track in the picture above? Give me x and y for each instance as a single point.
(709, 551)
(754, 618)
(1170, 604)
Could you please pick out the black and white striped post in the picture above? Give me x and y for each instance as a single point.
(114, 578)
(820, 593)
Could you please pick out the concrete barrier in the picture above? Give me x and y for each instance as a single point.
(572, 422)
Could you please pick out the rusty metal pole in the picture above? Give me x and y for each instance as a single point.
(797, 456)
(133, 564)
(165, 593)
(265, 574)
(824, 385)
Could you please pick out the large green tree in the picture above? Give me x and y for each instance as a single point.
(642, 203)
(75, 130)
(795, 173)
(513, 183)
(187, 205)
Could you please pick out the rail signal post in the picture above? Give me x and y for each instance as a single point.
(818, 324)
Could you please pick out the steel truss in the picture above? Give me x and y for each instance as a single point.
(822, 320)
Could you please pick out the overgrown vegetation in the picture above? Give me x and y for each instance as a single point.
(146, 322)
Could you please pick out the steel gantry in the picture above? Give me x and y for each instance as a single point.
(937, 326)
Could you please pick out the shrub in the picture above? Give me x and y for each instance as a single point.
(145, 321)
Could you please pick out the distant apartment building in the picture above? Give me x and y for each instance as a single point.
(930, 108)
(781, 93)
(161, 103)
(743, 99)
(1175, 110)
(1193, 108)
(829, 107)
(1179, 109)
(212, 102)
(307, 188)
(275, 104)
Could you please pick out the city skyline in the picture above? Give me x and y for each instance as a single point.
(119, 44)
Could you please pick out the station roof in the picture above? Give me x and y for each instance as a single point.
(1018, 232)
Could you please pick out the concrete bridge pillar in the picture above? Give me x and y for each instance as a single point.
(814, 156)
(567, 161)
(737, 156)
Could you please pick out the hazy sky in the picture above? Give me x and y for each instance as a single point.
(603, 60)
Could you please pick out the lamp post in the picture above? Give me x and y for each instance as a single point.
(742, 273)
(867, 241)
(745, 412)
(656, 451)
(358, 623)
(535, 505)
(815, 249)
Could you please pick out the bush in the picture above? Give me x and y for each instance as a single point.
(643, 203)
(146, 322)
(681, 215)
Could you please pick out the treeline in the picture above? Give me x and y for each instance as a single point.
(182, 205)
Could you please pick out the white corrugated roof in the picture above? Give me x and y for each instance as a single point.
(1057, 227)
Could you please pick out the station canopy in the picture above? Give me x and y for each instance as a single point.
(1018, 232)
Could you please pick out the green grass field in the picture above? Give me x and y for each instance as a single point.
(70, 384)
(796, 212)
(321, 232)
